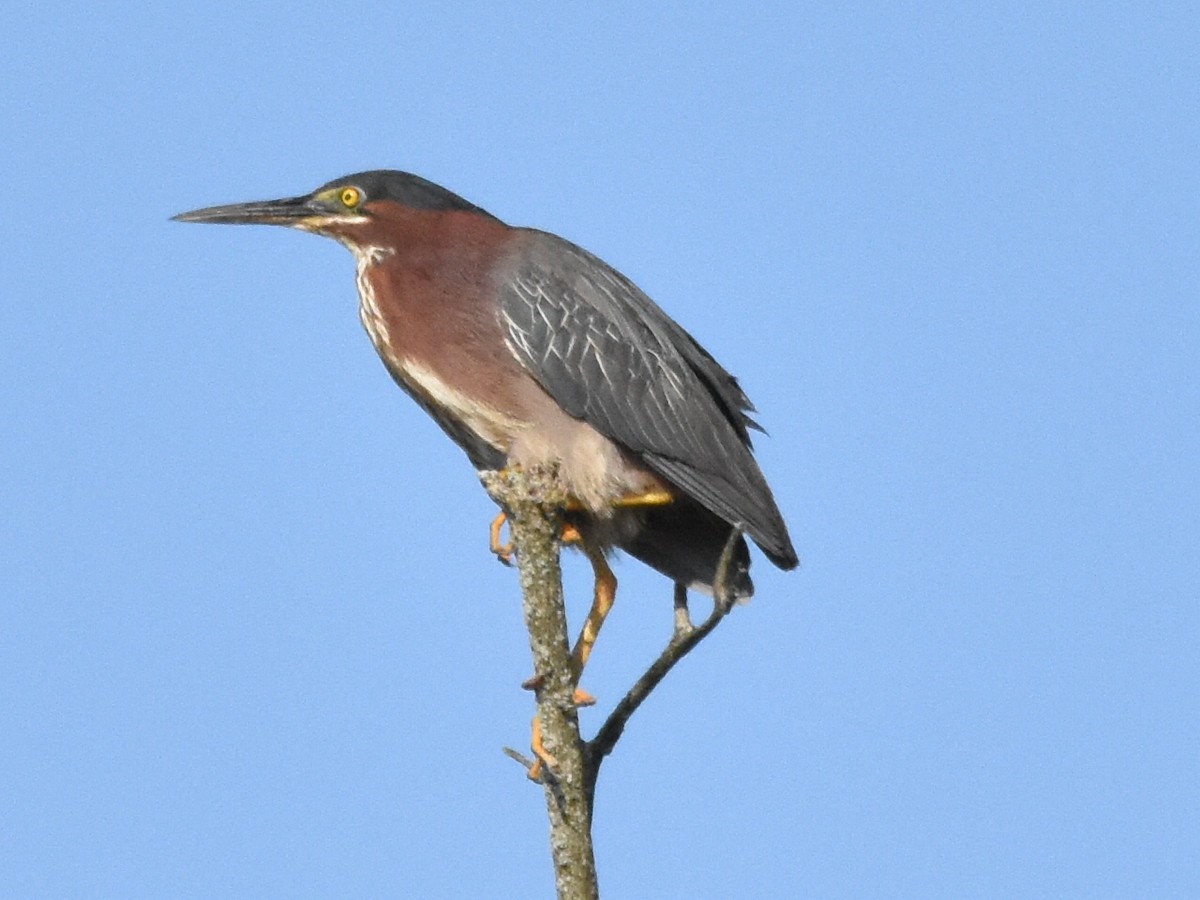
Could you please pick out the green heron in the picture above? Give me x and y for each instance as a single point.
(527, 349)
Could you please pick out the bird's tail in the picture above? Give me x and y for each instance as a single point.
(684, 541)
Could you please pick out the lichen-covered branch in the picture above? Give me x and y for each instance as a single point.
(533, 503)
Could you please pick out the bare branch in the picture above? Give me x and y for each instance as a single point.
(533, 502)
(517, 756)
(568, 767)
(686, 637)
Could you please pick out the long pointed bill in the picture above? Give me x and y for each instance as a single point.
(291, 211)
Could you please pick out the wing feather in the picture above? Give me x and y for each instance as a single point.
(608, 355)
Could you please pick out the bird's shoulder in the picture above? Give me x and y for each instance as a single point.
(562, 299)
(610, 356)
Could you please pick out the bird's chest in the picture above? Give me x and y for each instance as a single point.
(434, 354)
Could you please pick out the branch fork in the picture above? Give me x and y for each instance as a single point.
(533, 501)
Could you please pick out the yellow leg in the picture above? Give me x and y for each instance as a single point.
(651, 497)
(606, 582)
(602, 602)
(604, 595)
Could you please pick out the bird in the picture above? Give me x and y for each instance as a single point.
(528, 350)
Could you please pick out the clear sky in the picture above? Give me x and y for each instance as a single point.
(253, 643)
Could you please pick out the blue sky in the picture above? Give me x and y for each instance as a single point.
(254, 645)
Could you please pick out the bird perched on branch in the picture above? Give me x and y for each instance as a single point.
(528, 350)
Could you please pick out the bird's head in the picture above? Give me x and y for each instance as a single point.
(347, 209)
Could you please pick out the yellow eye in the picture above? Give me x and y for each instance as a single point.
(350, 197)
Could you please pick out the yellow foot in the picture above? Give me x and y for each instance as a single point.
(503, 552)
(541, 754)
(579, 698)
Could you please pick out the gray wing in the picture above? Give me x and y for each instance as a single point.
(608, 355)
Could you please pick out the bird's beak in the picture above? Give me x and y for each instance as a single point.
(292, 211)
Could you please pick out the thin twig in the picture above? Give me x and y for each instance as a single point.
(685, 637)
(518, 756)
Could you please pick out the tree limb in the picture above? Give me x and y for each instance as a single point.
(533, 502)
(686, 637)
